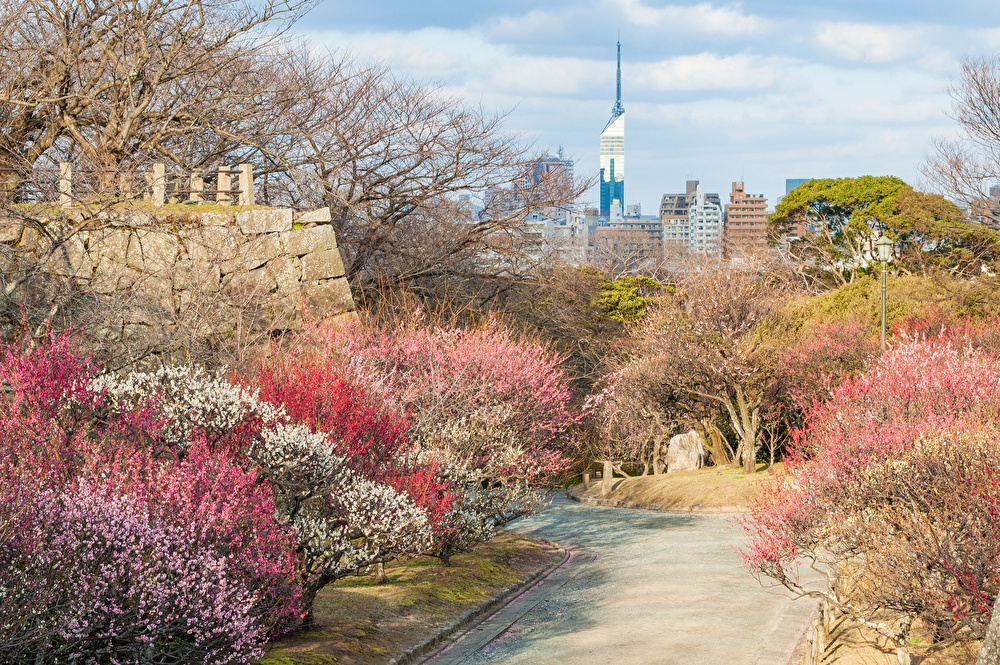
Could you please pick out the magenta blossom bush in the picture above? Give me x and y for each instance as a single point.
(126, 586)
(894, 490)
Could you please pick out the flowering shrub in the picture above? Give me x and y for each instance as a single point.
(895, 487)
(186, 401)
(123, 585)
(450, 386)
(344, 522)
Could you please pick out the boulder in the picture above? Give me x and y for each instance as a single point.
(685, 452)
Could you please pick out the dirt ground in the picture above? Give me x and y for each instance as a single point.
(711, 487)
(361, 623)
(853, 644)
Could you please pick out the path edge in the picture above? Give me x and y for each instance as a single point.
(684, 510)
(480, 611)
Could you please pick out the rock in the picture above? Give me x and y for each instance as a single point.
(191, 276)
(257, 252)
(322, 265)
(10, 230)
(265, 221)
(286, 271)
(249, 286)
(213, 243)
(330, 297)
(685, 452)
(305, 241)
(153, 251)
(319, 216)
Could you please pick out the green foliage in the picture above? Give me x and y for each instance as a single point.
(840, 219)
(844, 205)
(906, 296)
(626, 299)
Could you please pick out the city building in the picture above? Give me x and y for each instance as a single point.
(612, 179)
(705, 223)
(792, 183)
(692, 220)
(796, 229)
(745, 223)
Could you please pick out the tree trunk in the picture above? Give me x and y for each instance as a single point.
(989, 654)
(722, 454)
(380, 576)
(607, 477)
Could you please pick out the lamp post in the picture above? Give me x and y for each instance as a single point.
(884, 246)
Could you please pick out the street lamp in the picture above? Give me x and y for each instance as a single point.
(884, 246)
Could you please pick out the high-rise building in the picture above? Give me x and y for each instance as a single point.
(692, 220)
(745, 221)
(792, 183)
(613, 152)
(705, 223)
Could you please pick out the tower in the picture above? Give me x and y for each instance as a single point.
(613, 151)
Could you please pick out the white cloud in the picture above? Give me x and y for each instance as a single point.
(549, 75)
(703, 17)
(873, 43)
(707, 71)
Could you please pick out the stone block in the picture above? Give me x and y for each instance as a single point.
(322, 265)
(112, 245)
(264, 221)
(685, 452)
(287, 272)
(110, 276)
(70, 259)
(133, 218)
(284, 313)
(262, 249)
(196, 276)
(10, 230)
(250, 285)
(332, 296)
(318, 216)
(216, 219)
(305, 241)
(213, 244)
(153, 251)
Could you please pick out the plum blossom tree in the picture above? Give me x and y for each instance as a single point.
(894, 489)
(489, 411)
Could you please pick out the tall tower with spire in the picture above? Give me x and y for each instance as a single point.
(613, 154)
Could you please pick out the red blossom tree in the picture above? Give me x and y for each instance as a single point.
(894, 493)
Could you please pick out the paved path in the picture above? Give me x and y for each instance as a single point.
(642, 588)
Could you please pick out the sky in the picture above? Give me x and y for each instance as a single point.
(757, 91)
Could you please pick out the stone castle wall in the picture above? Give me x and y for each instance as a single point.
(276, 259)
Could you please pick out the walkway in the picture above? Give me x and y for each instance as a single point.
(643, 588)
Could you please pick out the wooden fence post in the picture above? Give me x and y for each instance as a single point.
(159, 184)
(223, 185)
(246, 185)
(65, 184)
(197, 187)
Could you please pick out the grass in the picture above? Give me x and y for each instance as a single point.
(711, 487)
(359, 622)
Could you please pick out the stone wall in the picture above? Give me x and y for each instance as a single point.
(178, 259)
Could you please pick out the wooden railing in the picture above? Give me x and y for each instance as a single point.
(156, 185)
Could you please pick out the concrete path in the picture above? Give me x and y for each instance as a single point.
(642, 588)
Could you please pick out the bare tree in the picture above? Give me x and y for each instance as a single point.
(109, 81)
(965, 169)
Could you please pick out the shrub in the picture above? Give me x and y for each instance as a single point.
(894, 488)
(119, 584)
(448, 385)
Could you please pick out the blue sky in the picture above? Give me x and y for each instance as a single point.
(755, 91)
